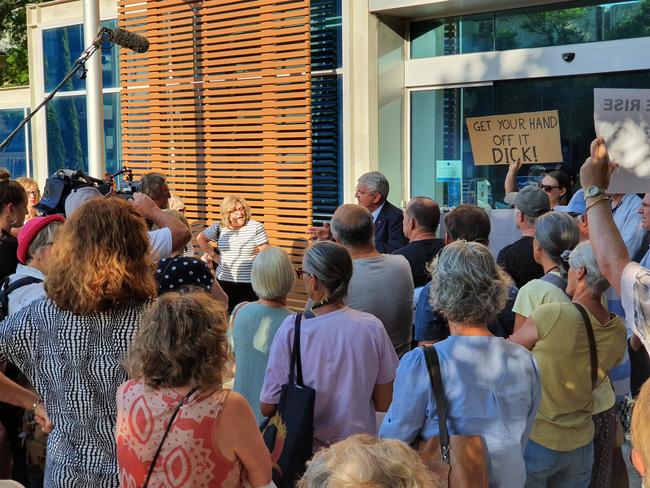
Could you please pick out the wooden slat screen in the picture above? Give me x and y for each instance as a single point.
(221, 104)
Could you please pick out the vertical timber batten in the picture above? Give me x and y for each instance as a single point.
(221, 104)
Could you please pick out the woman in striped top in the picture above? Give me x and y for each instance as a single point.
(238, 239)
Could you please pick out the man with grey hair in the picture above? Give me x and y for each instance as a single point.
(155, 186)
(372, 193)
(381, 284)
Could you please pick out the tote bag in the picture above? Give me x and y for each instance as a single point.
(459, 461)
(289, 434)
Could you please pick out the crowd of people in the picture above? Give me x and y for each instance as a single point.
(117, 341)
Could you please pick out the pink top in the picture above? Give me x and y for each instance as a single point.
(189, 456)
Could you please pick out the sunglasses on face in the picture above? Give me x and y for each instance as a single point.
(548, 188)
(300, 273)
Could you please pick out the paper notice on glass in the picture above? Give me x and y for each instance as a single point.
(449, 171)
(622, 118)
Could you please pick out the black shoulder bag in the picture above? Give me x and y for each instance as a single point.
(289, 434)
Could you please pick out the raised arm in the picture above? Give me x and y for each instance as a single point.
(510, 184)
(605, 238)
(150, 211)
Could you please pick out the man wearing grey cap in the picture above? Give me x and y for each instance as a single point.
(517, 258)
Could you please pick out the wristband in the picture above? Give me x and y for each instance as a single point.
(602, 198)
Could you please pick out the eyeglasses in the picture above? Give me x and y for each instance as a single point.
(548, 188)
(300, 273)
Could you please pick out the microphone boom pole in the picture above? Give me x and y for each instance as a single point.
(77, 67)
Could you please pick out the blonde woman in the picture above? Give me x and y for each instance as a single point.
(71, 343)
(362, 460)
(233, 243)
(176, 364)
(33, 196)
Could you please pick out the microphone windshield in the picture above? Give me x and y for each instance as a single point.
(129, 40)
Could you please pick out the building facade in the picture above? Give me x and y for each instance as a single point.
(377, 85)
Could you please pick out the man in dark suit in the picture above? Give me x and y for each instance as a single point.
(372, 193)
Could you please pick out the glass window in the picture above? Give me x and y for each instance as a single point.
(439, 139)
(325, 34)
(67, 145)
(566, 23)
(63, 45)
(15, 158)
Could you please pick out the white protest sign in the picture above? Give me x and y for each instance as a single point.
(622, 117)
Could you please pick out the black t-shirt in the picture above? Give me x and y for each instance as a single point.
(518, 261)
(418, 254)
(8, 258)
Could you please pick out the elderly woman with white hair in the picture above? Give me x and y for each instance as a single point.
(561, 450)
(491, 386)
(254, 324)
(365, 461)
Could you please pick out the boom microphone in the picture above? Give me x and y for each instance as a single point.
(125, 38)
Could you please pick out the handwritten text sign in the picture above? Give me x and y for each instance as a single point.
(622, 117)
(532, 137)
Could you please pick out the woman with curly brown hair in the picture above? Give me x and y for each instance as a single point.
(176, 425)
(71, 344)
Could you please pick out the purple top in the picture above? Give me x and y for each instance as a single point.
(345, 353)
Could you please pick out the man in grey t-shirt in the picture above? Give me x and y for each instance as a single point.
(381, 284)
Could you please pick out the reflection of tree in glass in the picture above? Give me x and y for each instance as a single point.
(557, 26)
(74, 155)
(506, 39)
(55, 146)
(632, 23)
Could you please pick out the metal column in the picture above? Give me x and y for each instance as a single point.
(94, 98)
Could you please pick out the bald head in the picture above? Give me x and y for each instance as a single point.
(352, 226)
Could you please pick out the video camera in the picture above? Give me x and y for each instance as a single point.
(60, 184)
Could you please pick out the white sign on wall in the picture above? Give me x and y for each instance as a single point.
(622, 118)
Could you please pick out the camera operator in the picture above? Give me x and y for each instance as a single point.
(171, 236)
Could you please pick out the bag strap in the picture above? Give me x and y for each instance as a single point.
(296, 362)
(555, 280)
(593, 352)
(169, 426)
(19, 283)
(433, 366)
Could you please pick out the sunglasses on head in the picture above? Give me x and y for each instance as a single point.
(548, 188)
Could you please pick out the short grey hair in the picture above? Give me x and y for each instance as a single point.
(364, 460)
(375, 182)
(272, 276)
(557, 232)
(152, 183)
(583, 257)
(44, 238)
(331, 264)
(467, 286)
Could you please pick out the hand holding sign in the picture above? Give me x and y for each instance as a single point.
(597, 168)
(532, 137)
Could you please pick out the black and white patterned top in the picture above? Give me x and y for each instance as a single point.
(75, 364)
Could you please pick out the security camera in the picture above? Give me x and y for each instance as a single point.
(568, 57)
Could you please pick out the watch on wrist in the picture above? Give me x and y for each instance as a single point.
(594, 191)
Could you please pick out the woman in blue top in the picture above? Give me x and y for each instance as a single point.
(492, 387)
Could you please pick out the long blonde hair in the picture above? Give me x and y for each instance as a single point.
(101, 258)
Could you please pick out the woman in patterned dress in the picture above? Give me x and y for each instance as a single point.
(71, 343)
(176, 361)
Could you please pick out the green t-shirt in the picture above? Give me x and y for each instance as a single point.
(563, 421)
(253, 330)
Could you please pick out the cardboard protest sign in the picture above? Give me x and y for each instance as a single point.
(533, 137)
(622, 117)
